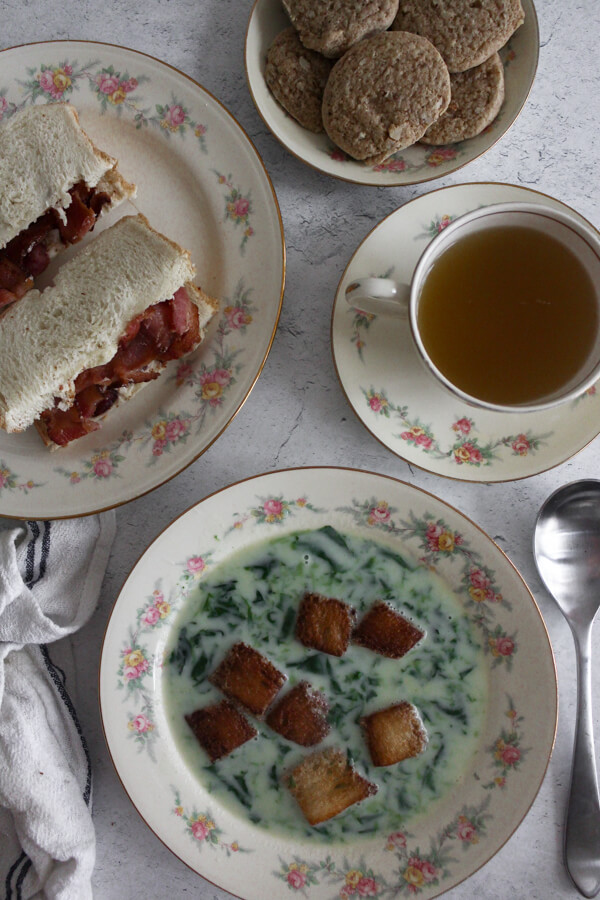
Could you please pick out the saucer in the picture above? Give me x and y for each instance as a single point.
(400, 403)
(413, 165)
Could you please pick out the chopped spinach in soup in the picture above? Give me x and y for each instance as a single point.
(253, 596)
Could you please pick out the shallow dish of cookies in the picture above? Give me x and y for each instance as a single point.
(415, 164)
(481, 675)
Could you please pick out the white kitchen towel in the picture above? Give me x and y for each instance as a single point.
(50, 578)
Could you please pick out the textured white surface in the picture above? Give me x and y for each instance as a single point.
(297, 414)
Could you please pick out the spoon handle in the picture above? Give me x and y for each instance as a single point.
(582, 835)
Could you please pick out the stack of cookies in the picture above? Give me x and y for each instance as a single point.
(379, 75)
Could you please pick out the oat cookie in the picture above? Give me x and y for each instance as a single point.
(297, 77)
(332, 26)
(477, 96)
(466, 32)
(383, 95)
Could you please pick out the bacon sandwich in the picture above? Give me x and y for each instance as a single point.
(116, 314)
(54, 185)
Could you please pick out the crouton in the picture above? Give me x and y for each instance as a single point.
(394, 734)
(219, 729)
(386, 632)
(325, 784)
(247, 677)
(325, 624)
(301, 715)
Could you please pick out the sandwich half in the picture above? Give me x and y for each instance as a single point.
(116, 314)
(54, 183)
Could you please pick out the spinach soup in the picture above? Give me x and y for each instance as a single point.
(253, 596)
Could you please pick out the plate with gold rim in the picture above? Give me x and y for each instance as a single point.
(202, 183)
(413, 165)
(400, 404)
(319, 513)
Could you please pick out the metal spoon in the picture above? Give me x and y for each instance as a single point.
(567, 554)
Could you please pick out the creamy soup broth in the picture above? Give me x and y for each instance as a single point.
(253, 596)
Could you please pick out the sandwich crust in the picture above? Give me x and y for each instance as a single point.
(76, 324)
(44, 152)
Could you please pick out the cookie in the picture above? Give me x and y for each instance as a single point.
(333, 26)
(466, 32)
(384, 94)
(476, 98)
(297, 77)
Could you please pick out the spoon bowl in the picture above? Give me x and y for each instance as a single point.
(567, 547)
(567, 554)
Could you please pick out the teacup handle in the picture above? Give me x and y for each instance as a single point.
(380, 296)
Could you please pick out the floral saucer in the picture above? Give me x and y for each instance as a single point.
(400, 403)
(202, 183)
(425, 855)
(414, 165)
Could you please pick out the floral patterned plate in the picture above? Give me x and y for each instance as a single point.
(201, 182)
(400, 403)
(432, 853)
(413, 165)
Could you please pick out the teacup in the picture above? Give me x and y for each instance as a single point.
(503, 305)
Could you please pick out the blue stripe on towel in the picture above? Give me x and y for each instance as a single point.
(69, 704)
(30, 558)
(11, 872)
(21, 878)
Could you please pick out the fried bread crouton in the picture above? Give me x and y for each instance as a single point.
(325, 624)
(301, 715)
(324, 784)
(394, 734)
(219, 729)
(385, 631)
(247, 677)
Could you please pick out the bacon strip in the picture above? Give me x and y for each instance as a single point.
(162, 332)
(13, 282)
(26, 256)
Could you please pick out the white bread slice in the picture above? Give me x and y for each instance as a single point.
(48, 338)
(44, 152)
(207, 307)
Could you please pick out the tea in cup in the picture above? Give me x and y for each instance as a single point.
(504, 306)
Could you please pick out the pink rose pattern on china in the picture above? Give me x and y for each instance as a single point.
(466, 448)
(114, 87)
(507, 751)
(9, 481)
(428, 159)
(416, 868)
(238, 207)
(203, 830)
(272, 511)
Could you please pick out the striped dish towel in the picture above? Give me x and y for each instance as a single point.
(50, 578)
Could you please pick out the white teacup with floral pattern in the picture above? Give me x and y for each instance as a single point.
(387, 297)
